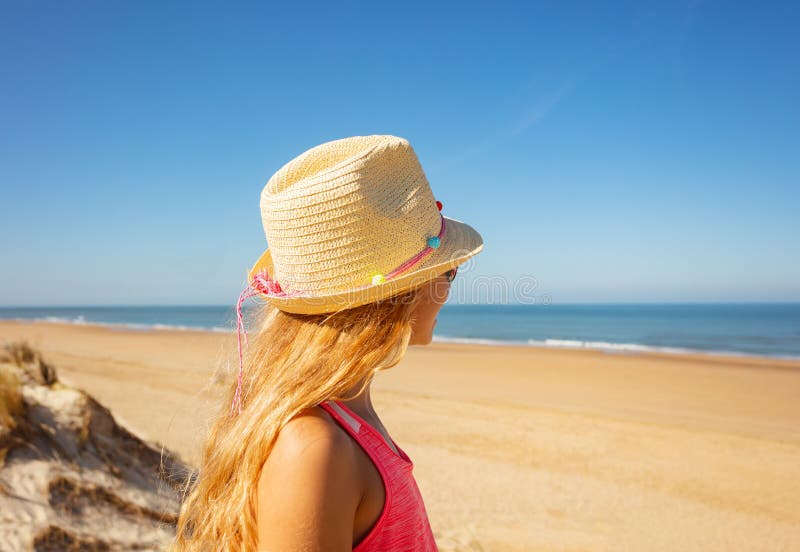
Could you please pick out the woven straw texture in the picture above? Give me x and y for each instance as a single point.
(349, 209)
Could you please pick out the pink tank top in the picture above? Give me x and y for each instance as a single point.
(403, 524)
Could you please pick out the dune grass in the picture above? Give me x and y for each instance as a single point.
(18, 361)
(30, 360)
(10, 396)
(19, 353)
(10, 405)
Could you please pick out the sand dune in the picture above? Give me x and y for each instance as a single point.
(72, 479)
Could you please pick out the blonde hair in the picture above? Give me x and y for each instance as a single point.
(293, 363)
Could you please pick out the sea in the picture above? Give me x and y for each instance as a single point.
(756, 329)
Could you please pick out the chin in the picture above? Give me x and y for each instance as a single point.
(419, 340)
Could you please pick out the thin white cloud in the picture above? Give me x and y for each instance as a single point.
(529, 117)
(539, 110)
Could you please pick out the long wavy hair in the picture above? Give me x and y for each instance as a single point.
(292, 363)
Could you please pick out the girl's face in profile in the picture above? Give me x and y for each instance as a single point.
(434, 295)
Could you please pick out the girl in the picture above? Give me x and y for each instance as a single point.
(359, 263)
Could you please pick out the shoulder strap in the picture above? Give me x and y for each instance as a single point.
(341, 415)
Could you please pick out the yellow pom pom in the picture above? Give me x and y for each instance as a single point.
(378, 279)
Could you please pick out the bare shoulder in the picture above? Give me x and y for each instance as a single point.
(311, 441)
(309, 487)
(312, 427)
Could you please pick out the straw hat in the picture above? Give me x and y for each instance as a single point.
(350, 222)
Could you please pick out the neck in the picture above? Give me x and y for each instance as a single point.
(362, 404)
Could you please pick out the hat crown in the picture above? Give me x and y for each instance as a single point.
(346, 210)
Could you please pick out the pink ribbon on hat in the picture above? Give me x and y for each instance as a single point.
(416, 258)
(261, 284)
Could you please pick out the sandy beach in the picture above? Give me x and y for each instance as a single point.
(517, 448)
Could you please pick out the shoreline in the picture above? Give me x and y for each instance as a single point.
(623, 349)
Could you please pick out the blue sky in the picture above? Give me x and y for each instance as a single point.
(627, 152)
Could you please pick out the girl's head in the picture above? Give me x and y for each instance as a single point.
(345, 212)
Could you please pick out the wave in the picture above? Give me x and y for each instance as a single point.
(57, 319)
(132, 326)
(605, 346)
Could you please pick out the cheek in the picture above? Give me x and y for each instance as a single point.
(426, 314)
(432, 312)
(427, 310)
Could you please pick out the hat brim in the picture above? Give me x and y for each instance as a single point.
(460, 243)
